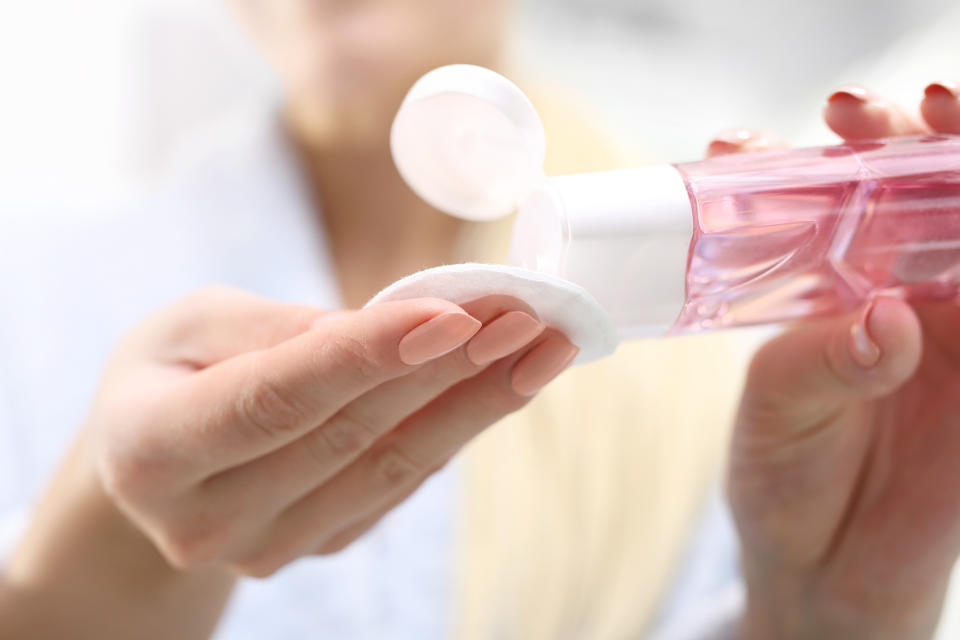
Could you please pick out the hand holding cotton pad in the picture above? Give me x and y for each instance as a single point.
(559, 304)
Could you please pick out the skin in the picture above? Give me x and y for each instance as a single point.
(843, 477)
(345, 68)
(232, 435)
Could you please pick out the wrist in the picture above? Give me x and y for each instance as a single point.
(811, 606)
(84, 560)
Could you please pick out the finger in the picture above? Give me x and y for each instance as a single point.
(398, 463)
(217, 323)
(254, 403)
(807, 374)
(329, 543)
(341, 540)
(941, 107)
(271, 483)
(338, 540)
(744, 140)
(856, 114)
(350, 532)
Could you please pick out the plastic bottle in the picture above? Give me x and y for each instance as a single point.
(731, 241)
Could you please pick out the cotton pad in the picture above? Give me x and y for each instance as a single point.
(558, 303)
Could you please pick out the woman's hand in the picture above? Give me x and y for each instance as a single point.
(240, 433)
(844, 477)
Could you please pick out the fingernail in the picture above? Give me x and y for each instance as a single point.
(850, 95)
(865, 351)
(437, 336)
(943, 89)
(544, 363)
(502, 337)
(729, 141)
(734, 136)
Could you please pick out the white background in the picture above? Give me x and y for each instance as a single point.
(96, 95)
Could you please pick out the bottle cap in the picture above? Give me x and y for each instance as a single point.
(469, 142)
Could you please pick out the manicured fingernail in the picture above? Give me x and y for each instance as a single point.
(865, 351)
(729, 141)
(502, 337)
(437, 336)
(851, 95)
(544, 363)
(943, 89)
(735, 136)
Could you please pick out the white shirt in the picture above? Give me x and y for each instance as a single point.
(240, 216)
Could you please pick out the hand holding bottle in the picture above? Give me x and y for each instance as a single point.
(843, 475)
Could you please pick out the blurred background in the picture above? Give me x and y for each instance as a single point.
(99, 98)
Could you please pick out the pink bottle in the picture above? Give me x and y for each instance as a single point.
(756, 238)
(732, 241)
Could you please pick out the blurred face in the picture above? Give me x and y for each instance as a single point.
(346, 64)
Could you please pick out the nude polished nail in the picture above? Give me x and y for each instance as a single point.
(436, 337)
(502, 337)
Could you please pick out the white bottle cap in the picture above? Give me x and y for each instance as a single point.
(470, 143)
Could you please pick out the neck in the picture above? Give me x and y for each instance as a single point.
(378, 230)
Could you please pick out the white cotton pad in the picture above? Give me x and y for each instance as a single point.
(558, 303)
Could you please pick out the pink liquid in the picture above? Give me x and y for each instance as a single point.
(784, 235)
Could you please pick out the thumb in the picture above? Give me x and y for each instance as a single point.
(807, 374)
(217, 323)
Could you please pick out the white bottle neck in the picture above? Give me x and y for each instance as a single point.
(622, 235)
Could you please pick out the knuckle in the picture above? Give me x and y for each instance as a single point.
(130, 477)
(177, 322)
(260, 565)
(254, 570)
(120, 479)
(354, 354)
(343, 434)
(307, 318)
(394, 468)
(191, 545)
(339, 542)
(447, 371)
(270, 408)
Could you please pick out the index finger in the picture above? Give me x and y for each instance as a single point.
(857, 114)
(941, 107)
(248, 405)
